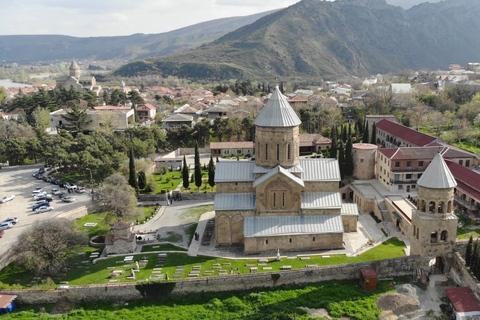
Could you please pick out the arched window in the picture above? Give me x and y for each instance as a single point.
(431, 207)
(449, 206)
(444, 235)
(441, 207)
(422, 206)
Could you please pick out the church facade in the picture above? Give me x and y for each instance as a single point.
(280, 201)
(76, 81)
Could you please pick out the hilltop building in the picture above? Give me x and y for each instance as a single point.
(279, 201)
(76, 81)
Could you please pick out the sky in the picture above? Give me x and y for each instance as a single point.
(89, 18)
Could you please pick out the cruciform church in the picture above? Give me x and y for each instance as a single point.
(279, 201)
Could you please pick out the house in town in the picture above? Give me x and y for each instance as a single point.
(229, 149)
(176, 121)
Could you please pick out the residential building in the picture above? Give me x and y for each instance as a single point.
(391, 135)
(176, 121)
(146, 112)
(217, 111)
(313, 143)
(229, 149)
(279, 202)
(467, 191)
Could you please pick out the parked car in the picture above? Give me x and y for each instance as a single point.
(61, 195)
(12, 220)
(5, 225)
(80, 190)
(55, 181)
(7, 198)
(43, 197)
(41, 170)
(46, 179)
(69, 199)
(56, 191)
(39, 205)
(44, 209)
(70, 186)
(34, 173)
(36, 193)
(39, 176)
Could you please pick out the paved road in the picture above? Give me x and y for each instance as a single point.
(174, 220)
(19, 182)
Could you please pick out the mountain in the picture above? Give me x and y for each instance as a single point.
(407, 4)
(33, 48)
(315, 39)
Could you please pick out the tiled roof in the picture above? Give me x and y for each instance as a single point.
(437, 175)
(468, 181)
(218, 108)
(232, 145)
(294, 225)
(414, 137)
(6, 300)
(320, 170)
(463, 299)
(425, 153)
(401, 88)
(273, 172)
(147, 105)
(321, 200)
(277, 113)
(111, 108)
(234, 171)
(313, 139)
(234, 201)
(178, 118)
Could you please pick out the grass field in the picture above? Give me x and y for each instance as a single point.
(169, 180)
(340, 299)
(468, 229)
(83, 272)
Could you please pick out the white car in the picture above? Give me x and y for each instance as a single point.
(5, 225)
(56, 191)
(12, 220)
(37, 192)
(70, 186)
(44, 209)
(42, 196)
(80, 190)
(7, 198)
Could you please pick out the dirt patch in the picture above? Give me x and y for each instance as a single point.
(63, 306)
(316, 313)
(397, 304)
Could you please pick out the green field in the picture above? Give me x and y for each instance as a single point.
(169, 180)
(340, 299)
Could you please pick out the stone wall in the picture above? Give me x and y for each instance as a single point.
(405, 266)
(189, 151)
(152, 197)
(460, 274)
(198, 196)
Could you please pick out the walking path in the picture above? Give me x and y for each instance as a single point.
(202, 223)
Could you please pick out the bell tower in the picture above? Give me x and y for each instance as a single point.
(433, 222)
(277, 135)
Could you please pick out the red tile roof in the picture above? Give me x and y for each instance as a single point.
(5, 300)
(414, 137)
(463, 299)
(417, 153)
(468, 181)
(148, 105)
(111, 108)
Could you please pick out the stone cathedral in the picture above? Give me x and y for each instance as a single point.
(280, 201)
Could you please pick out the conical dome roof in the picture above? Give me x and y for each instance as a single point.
(277, 113)
(437, 175)
(74, 65)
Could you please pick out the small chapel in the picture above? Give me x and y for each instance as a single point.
(279, 201)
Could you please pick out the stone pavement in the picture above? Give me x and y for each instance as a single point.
(202, 223)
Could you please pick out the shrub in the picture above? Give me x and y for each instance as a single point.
(234, 304)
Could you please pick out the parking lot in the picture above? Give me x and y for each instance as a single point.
(19, 182)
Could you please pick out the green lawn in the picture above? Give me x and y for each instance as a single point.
(340, 298)
(162, 247)
(469, 228)
(205, 187)
(169, 180)
(83, 272)
(101, 228)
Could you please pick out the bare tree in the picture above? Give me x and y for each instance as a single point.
(45, 247)
(437, 121)
(462, 130)
(116, 197)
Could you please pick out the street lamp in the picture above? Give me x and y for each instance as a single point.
(91, 180)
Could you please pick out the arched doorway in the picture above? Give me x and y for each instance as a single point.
(438, 265)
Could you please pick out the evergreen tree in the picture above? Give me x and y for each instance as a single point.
(468, 253)
(349, 158)
(281, 87)
(349, 130)
(474, 257)
(476, 270)
(77, 119)
(333, 148)
(344, 133)
(374, 134)
(365, 134)
(341, 160)
(186, 182)
(132, 180)
(142, 180)
(198, 169)
(211, 173)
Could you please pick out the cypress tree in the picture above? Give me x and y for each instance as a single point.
(468, 253)
(185, 177)
(211, 173)
(349, 130)
(198, 169)
(341, 160)
(142, 180)
(477, 264)
(344, 133)
(281, 87)
(474, 256)
(333, 148)
(132, 175)
(374, 134)
(365, 134)
(349, 158)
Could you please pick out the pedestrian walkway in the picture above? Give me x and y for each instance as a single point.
(202, 223)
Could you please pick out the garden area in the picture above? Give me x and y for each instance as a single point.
(467, 227)
(166, 182)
